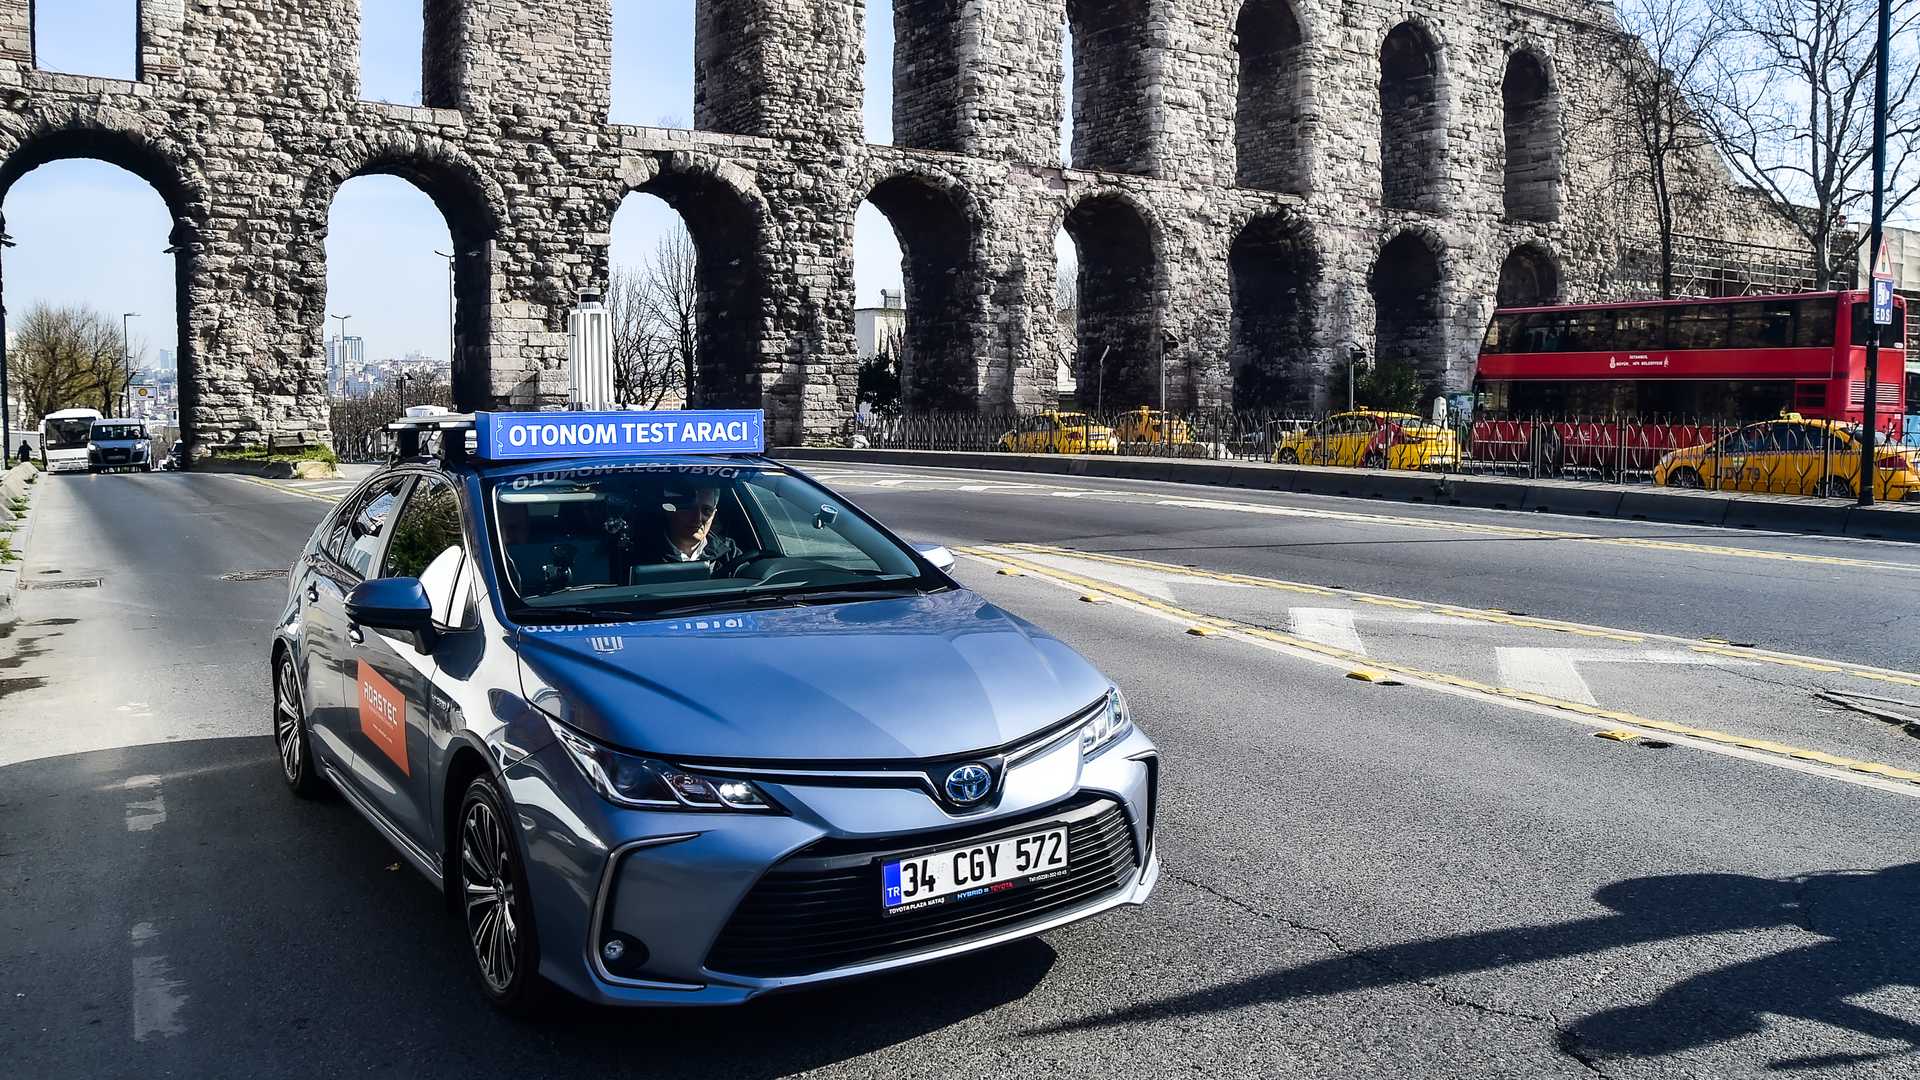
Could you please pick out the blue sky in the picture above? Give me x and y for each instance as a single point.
(86, 232)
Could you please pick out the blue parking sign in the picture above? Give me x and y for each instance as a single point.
(1882, 300)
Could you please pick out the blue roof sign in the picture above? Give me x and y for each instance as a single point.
(526, 436)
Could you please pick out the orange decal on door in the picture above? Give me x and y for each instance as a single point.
(383, 715)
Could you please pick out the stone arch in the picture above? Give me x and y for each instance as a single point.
(1118, 327)
(1530, 122)
(929, 98)
(123, 141)
(1274, 267)
(1413, 118)
(1270, 147)
(937, 223)
(726, 217)
(1112, 123)
(1529, 276)
(475, 212)
(1409, 320)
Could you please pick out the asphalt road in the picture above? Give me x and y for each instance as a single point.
(1362, 879)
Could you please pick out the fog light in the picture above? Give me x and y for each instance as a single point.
(614, 950)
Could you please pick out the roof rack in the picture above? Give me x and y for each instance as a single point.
(411, 437)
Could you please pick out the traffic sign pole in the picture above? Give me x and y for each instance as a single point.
(1869, 449)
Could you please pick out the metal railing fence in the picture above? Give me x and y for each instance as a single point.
(1784, 456)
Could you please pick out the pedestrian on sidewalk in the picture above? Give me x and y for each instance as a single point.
(26, 452)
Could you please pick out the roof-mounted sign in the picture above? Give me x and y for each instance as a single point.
(526, 436)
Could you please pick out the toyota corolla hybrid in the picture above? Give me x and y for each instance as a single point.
(671, 723)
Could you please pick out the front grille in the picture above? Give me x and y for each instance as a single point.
(820, 907)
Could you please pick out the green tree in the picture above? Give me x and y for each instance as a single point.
(1389, 385)
(880, 376)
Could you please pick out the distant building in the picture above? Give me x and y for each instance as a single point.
(877, 327)
(1903, 259)
(345, 359)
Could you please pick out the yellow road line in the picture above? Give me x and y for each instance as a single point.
(1000, 556)
(1764, 656)
(282, 489)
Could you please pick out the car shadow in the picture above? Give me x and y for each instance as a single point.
(171, 909)
(1860, 936)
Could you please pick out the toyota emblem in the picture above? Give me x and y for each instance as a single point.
(968, 784)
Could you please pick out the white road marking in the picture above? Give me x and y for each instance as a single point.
(1154, 583)
(1328, 626)
(1556, 672)
(145, 815)
(157, 997)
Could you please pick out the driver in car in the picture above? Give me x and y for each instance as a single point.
(689, 529)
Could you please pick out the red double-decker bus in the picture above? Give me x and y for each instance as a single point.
(1658, 368)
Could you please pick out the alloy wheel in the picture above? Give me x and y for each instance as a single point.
(487, 885)
(286, 721)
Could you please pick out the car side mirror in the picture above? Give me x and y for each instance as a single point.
(395, 603)
(936, 554)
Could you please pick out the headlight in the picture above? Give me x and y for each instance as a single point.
(1104, 730)
(631, 780)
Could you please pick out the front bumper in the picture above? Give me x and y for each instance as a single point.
(670, 885)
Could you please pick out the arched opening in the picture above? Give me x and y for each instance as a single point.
(1269, 150)
(391, 309)
(101, 40)
(1066, 314)
(1110, 40)
(927, 98)
(725, 282)
(1274, 270)
(939, 367)
(1529, 276)
(410, 53)
(93, 248)
(1413, 120)
(1117, 323)
(652, 64)
(653, 300)
(1409, 328)
(1530, 110)
(450, 233)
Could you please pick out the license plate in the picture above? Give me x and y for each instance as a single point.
(973, 870)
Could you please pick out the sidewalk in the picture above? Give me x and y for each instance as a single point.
(1782, 513)
(19, 482)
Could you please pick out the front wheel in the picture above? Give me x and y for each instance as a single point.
(1375, 459)
(1836, 487)
(290, 731)
(1288, 457)
(1684, 478)
(494, 903)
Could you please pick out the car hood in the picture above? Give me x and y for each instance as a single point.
(922, 677)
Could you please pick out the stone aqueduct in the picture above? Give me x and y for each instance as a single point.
(1229, 196)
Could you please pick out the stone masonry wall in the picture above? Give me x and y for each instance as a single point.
(246, 118)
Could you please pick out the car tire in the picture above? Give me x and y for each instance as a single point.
(496, 915)
(1835, 487)
(1288, 457)
(1375, 459)
(1684, 478)
(290, 737)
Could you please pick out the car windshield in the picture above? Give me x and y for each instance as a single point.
(67, 434)
(107, 432)
(633, 541)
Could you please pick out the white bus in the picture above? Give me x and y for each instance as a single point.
(64, 435)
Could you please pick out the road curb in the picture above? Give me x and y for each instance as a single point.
(265, 470)
(1778, 513)
(22, 537)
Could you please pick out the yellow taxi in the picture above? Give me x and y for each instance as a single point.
(1790, 456)
(1144, 425)
(1060, 433)
(1371, 439)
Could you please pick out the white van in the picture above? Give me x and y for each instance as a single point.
(120, 444)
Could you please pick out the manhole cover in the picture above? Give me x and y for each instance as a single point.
(69, 583)
(253, 575)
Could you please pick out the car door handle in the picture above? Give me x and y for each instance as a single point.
(313, 593)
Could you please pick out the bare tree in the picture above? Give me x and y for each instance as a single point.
(1789, 105)
(1660, 64)
(645, 371)
(65, 357)
(1066, 286)
(669, 301)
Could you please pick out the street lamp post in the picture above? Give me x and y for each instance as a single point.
(449, 257)
(126, 362)
(1869, 448)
